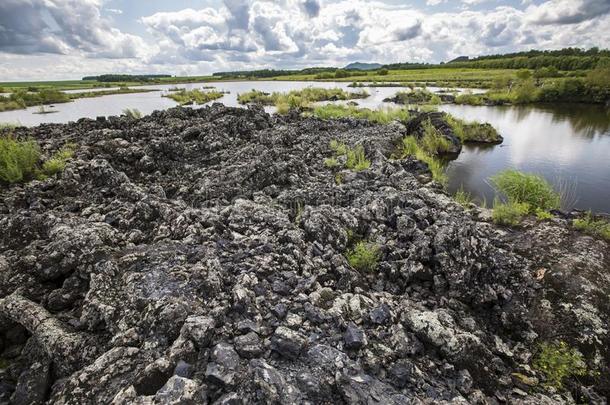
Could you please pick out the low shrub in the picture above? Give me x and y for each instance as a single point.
(18, 159)
(510, 213)
(558, 361)
(591, 226)
(530, 189)
(543, 215)
(364, 256)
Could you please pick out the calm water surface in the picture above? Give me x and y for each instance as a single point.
(567, 144)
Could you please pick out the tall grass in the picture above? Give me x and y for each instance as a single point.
(18, 159)
(530, 189)
(381, 116)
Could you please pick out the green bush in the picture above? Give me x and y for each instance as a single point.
(383, 72)
(18, 159)
(543, 215)
(364, 256)
(510, 213)
(530, 189)
(558, 361)
(588, 224)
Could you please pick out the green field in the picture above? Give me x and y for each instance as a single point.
(451, 76)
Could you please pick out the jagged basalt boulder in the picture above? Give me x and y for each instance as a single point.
(200, 256)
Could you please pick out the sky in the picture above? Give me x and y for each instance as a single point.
(68, 39)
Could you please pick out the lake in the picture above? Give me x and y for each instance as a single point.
(567, 144)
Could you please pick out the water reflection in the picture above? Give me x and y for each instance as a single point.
(568, 145)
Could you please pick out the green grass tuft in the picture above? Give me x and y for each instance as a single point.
(510, 213)
(356, 159)
(530, 189)
(463, 197)
(433, 142)
(364, 256)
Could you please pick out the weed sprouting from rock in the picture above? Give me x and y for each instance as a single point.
(364, 256)
(591, 226)
(558, 361)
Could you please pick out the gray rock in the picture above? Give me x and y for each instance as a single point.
(287, 342)
(354, 337)
(249, 345)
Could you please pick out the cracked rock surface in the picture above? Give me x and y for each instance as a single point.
(198, 256)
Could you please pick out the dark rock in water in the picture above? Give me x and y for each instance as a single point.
(199, 256)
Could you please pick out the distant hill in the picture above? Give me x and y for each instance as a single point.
(363, 66)
(460, 59)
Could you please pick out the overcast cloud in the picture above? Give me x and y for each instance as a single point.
(69, 38)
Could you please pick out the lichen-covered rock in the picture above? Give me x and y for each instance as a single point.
(199, 256)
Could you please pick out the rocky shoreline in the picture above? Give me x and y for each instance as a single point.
(198, 256)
